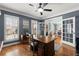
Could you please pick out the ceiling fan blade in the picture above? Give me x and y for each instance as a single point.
(40, 4)
(44, 4)
(41, 13)
(31, 5)
(47, 9)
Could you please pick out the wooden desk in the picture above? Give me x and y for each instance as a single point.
(45, 46)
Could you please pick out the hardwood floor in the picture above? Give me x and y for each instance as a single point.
(58, 40)
(24, 50)
(65, 49)
(17, 50)
(60, 51)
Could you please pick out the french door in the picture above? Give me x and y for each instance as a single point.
(69, 31)
(34, 27)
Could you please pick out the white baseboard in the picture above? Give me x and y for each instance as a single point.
(10, 44)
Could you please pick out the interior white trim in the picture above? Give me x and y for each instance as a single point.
(5, 25)
(11, 44)
(17, 12)
(68, 43)
(39, 18)
(56, 15)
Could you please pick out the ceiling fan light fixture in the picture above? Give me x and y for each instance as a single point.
(40, 10)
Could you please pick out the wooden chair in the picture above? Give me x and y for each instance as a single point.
(33, 44)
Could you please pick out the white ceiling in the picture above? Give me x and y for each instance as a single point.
(24, 8)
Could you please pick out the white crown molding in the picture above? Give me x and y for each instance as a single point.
(17, 12)
(52, 16)
(68, 11)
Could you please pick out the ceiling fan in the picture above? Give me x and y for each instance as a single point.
(40, 8)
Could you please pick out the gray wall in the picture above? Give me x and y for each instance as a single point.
(1, 26)
(21, 24)
(77, 26)
(71, 14)
(21, 17)
(76, 14)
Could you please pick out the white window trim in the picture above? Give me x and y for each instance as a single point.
(68, 43)
(5, 28)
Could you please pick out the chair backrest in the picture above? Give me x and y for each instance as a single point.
(31, 40)
(31, 37)
(21, 36)
(34, 37)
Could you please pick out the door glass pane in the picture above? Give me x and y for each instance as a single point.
(71, 35)
(67, 39)
(63, 38)
(34, 27)
(71, 40)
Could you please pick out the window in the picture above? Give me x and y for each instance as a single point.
(11, 25)
(26, 26)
